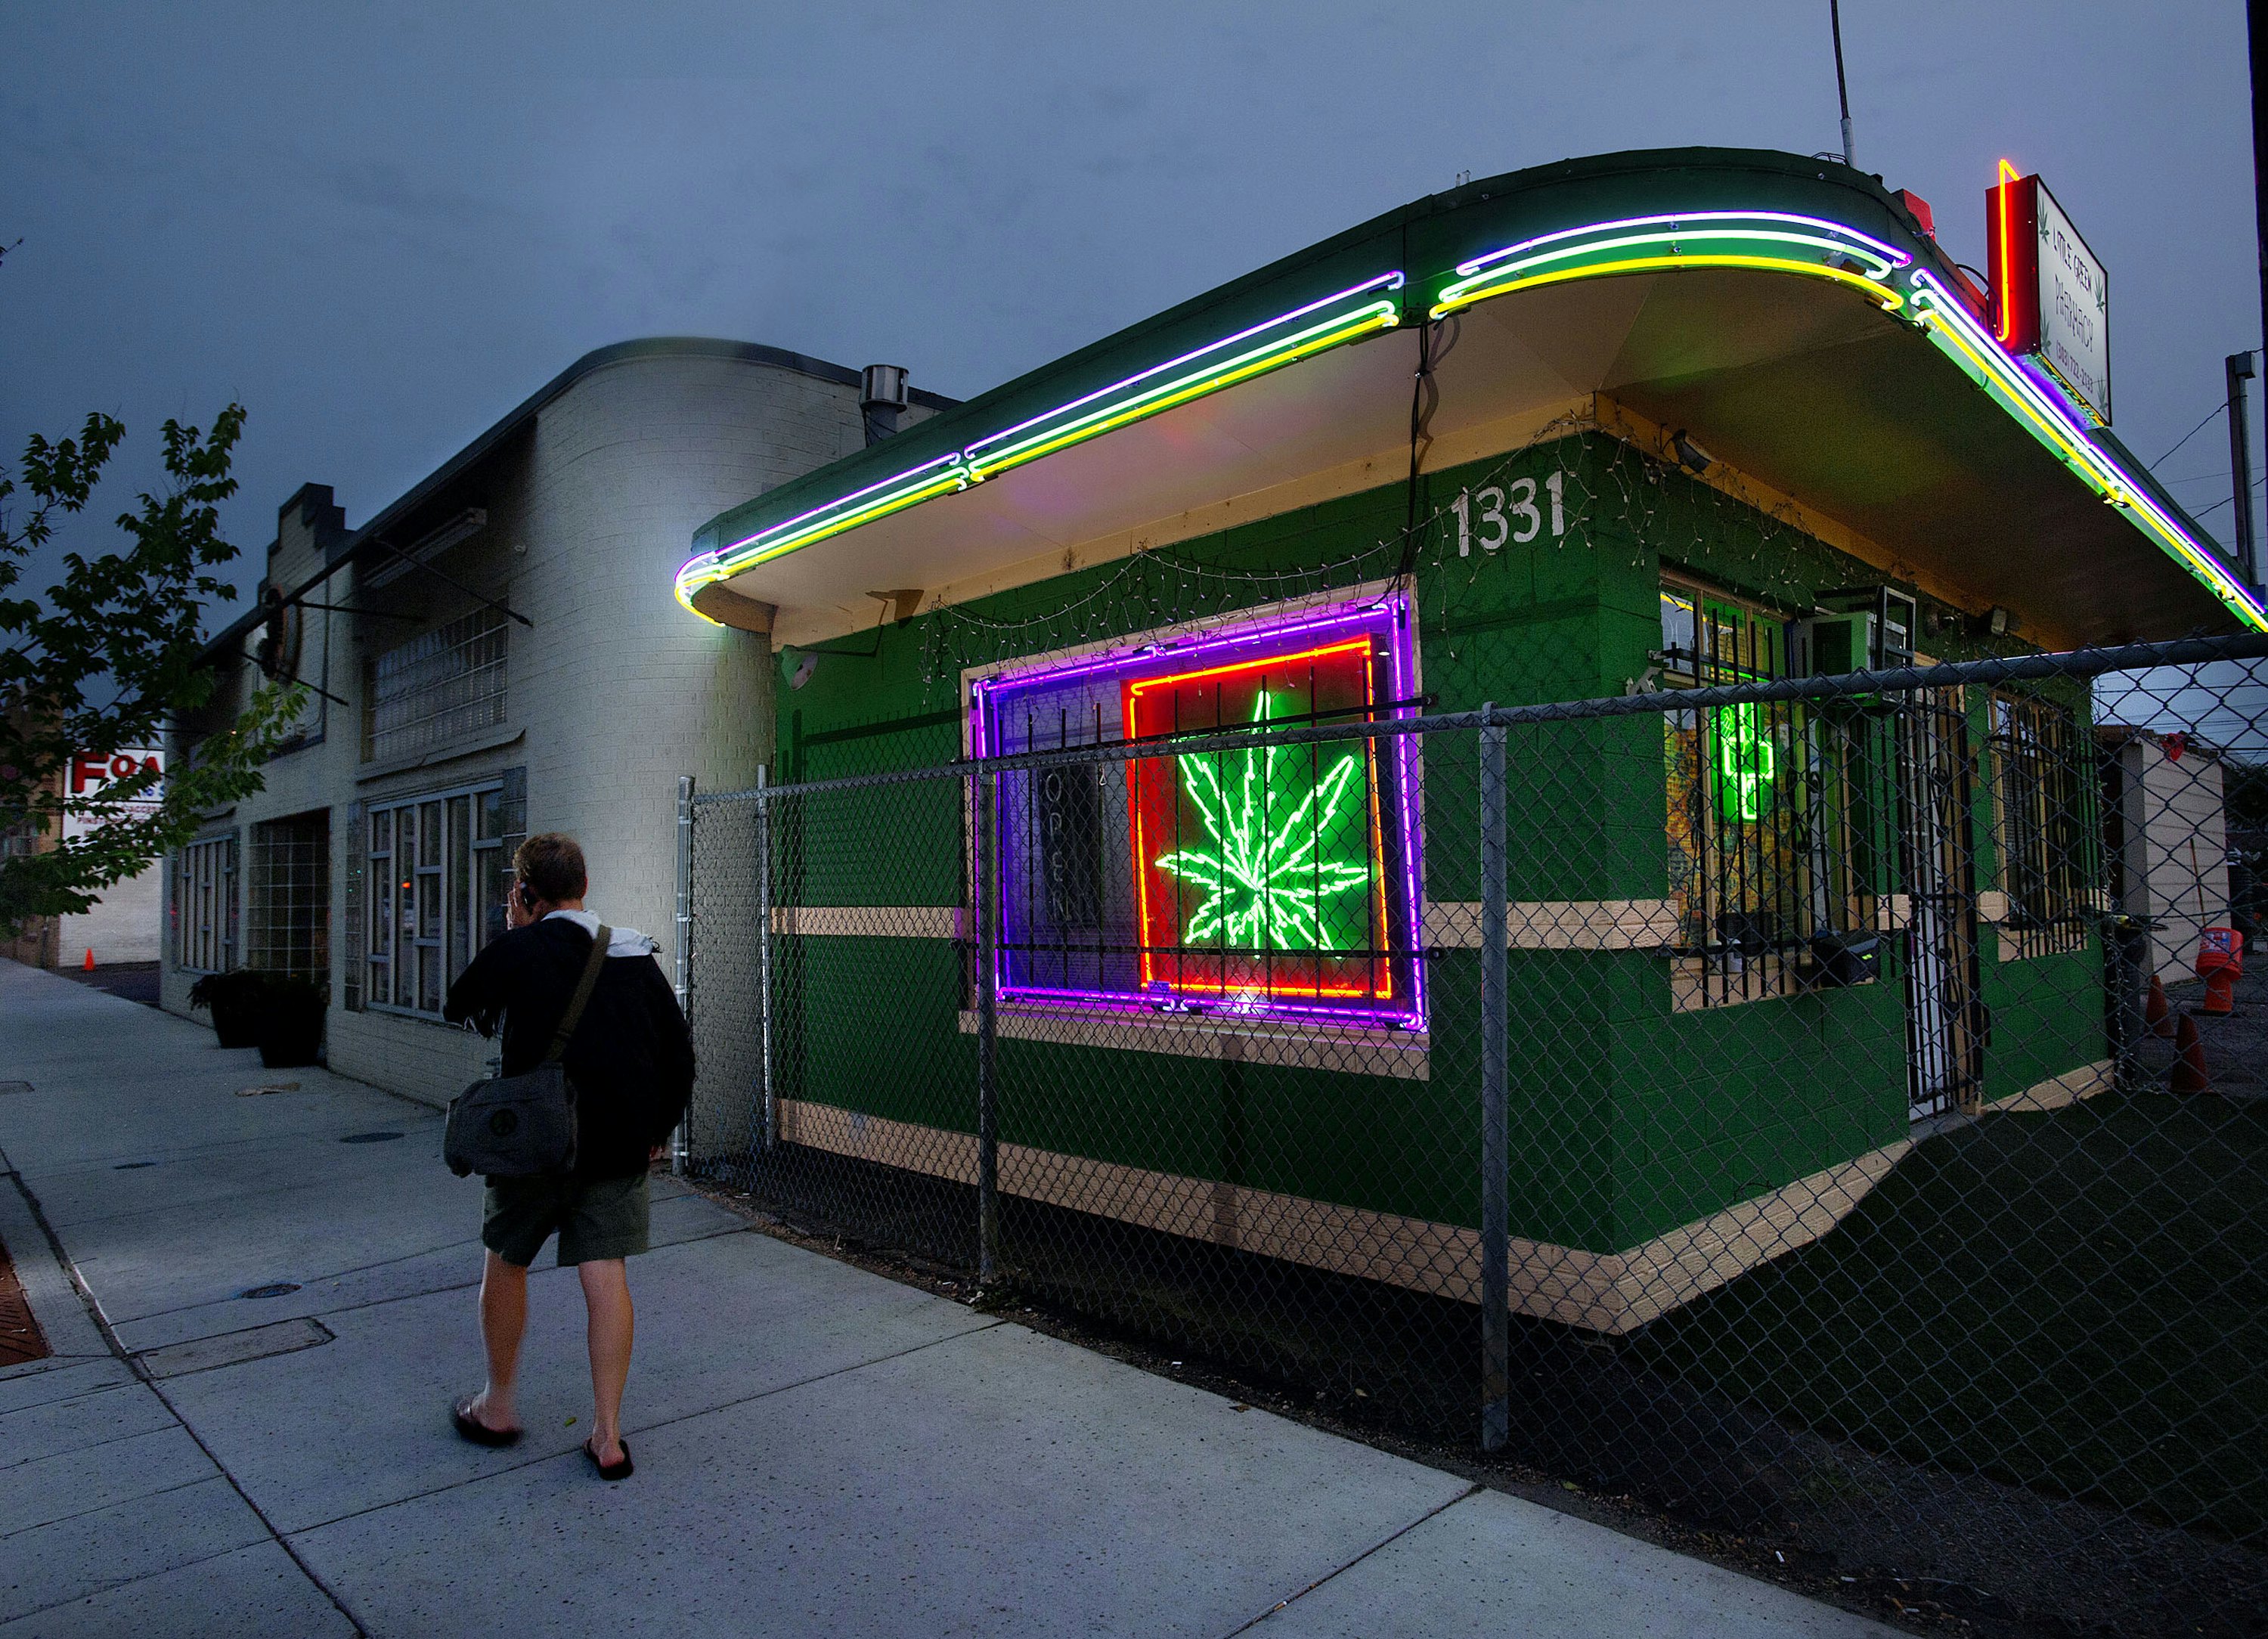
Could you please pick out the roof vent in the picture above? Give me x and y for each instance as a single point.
(881, 397)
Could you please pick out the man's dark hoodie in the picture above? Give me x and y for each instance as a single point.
(632, 1058)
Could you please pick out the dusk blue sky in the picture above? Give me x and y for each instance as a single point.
(380, 227)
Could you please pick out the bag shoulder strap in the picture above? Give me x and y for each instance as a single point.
(589, 982)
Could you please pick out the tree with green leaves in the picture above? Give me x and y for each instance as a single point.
(98, 665)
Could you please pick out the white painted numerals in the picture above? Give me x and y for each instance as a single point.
(1494, 514)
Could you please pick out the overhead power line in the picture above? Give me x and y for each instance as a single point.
(2192, 433)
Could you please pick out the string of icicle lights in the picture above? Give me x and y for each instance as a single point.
(1615, 498)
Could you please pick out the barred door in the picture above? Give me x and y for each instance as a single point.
(1944, 1050)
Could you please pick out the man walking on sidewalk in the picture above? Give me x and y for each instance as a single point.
(631, 1062)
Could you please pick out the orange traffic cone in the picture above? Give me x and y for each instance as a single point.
(88, 964)
(2155, 1012)
(2188, 1066)
(2219, 991)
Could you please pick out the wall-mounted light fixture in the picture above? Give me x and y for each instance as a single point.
(1689, 455)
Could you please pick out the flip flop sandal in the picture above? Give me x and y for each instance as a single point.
(471, 1428)
(610, 1471)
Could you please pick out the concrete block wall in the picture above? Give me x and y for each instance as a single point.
(2176, 866)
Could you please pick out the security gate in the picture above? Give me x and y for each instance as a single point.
(1945, 1047)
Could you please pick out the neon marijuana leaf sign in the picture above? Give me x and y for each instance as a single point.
(1274, 861)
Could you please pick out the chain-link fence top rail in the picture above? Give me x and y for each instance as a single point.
(1849, 1193)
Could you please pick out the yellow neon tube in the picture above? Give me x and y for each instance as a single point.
(1380, 316)
(1887, 299)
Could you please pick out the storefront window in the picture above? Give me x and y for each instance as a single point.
(438, 870)
(1769, 808)
(1249, 880)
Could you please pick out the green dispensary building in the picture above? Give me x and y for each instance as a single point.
(1630, 424)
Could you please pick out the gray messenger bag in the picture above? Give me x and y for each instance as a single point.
(524, 1125)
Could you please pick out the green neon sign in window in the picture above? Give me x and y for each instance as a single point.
(1747, 766)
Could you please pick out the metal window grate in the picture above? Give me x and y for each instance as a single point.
(434, 689)
(2039, 825)
(1776, 810)
(206, 902)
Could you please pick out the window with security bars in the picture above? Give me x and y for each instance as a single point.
(1773, 814)
(434, 689)
(1250, 880)
(2039, 825)
(19, 840)
(437, 869)
(204, 906)
(288, 920)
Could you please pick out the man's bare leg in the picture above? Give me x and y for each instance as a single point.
(607, 1293)
(503, 1321)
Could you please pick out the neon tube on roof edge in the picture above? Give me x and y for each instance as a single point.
(1657, 243)
(1891, 254)
(1944, 317)
(958, 469)
(1937, 313)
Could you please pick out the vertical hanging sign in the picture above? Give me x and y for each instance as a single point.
(2052, 295)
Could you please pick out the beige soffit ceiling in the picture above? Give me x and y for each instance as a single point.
(1801, 385)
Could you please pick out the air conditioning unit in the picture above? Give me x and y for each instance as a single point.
(1867, 629)
(1828, 645)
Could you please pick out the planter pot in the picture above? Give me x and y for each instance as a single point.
(237, 1023)
(290, 1036)
(238, 1001)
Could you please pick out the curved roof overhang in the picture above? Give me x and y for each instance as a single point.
(1788, 315)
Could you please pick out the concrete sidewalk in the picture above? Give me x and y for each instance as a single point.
(820, 1451)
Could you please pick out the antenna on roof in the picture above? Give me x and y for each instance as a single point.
(1842, 92)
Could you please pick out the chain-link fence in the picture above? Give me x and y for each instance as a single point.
(1827, 1108)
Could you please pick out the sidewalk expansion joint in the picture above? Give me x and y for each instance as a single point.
(1391, 1537)
(139, 1497)
(452, 1284)
(99, 1588)
(109, 1334)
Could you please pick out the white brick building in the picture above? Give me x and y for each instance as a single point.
(501, 654)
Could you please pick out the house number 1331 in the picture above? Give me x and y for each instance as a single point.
(1490, 516)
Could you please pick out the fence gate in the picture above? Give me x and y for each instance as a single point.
(1945, 1041)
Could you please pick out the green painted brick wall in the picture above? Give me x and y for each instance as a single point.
(1628, 1118)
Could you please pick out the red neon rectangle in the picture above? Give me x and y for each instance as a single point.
(2011, 247)
(1169, 822)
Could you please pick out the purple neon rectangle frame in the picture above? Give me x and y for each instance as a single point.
(1392, 616)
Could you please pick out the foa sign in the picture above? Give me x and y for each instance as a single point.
(89, 775)
(2050, 293)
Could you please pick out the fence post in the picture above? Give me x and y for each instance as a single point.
(678, 1142)
(1495, 1212)
(985, 791)
(767, 1095)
